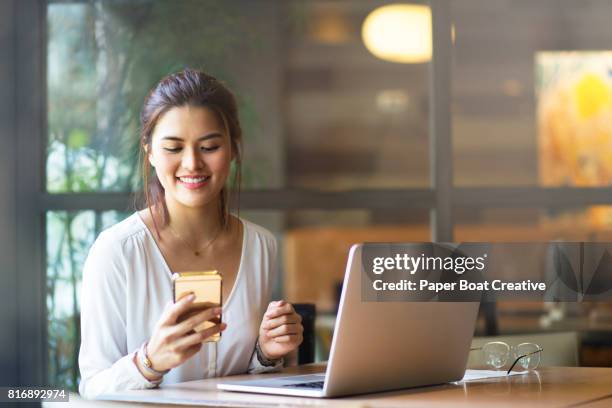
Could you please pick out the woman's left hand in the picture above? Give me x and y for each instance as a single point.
(280, 331)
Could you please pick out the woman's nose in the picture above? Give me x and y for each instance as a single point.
(192, 159)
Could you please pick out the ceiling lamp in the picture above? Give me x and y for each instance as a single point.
(399, 33)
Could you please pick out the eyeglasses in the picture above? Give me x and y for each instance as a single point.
(496, 354)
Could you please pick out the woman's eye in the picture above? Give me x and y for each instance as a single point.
(209, 149)
(172, 149)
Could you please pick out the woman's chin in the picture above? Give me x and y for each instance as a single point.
(195, 202)
(198, 198)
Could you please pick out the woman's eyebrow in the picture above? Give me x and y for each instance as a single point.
(210, 136)
(205, 137)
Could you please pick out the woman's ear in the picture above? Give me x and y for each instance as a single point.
(149, 156)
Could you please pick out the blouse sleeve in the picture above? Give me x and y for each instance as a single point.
(105, 363)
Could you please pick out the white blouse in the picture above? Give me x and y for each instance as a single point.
(126, 285)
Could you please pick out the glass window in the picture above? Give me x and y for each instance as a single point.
(69, 236)
(318, 109)
(530, 92)
(92, 129)
(104, 56)
(499, 119)
(353, 120)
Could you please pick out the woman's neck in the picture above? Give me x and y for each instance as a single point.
(196, 225)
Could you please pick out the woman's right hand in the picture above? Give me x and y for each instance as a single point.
(173, 343)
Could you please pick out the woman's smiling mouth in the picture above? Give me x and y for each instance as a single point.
(193, 182)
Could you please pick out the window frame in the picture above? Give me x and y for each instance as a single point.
(24, 145)
(9, 340)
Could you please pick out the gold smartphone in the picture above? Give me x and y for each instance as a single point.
(207, 289)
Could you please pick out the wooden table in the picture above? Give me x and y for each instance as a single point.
(548, 387)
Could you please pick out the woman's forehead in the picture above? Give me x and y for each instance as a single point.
(188, 121)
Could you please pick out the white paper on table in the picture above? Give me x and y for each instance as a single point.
(471, 375)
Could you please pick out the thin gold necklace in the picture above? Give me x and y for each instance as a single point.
(196, 251)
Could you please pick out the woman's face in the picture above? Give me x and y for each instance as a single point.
(191, 154)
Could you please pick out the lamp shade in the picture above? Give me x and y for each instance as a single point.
(399, 33)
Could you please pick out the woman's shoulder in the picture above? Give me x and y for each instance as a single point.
(112, 250)
(119, 233)
(257, 232)
(260, 252)
(256, 236)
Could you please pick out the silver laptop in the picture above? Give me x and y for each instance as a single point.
(379, 346)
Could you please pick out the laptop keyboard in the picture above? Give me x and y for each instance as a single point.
(311, 384)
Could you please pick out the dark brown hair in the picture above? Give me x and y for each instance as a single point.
(187, 88)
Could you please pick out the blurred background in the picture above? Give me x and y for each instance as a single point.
(350, 136)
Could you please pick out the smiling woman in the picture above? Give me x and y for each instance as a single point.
(168, 117)
(132, 333)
